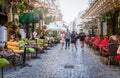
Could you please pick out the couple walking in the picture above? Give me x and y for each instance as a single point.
(67, 37)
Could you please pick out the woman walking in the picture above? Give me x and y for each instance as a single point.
(62, 41)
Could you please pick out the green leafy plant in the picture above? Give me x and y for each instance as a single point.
(21, 26)
(8, 24)
(21, 6)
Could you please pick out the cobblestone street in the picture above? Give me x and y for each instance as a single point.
(61, 63)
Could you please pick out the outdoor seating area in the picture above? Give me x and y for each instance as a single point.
(16, 52)
(106, 47)
(17, 48)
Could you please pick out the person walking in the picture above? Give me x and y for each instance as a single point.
(82, 38)
(67, 39)
(73, 40)
(62, 41)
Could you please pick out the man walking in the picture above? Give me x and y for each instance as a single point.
(67, 39)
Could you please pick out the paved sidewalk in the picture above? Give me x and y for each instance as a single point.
(61, 63)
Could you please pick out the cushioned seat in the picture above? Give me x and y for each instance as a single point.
(31, 50)
(41, 42)
(46, 45)
(15, 46)
(3, 62)
(19, 51)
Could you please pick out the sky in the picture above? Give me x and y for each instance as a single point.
(71, 8)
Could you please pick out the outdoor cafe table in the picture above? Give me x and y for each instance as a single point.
(24, 64)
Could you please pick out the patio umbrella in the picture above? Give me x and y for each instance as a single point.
(29, 17)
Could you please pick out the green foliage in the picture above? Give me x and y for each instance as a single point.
(3, 3)
(119, 22)
(48, 19)
(108, 16)
(53, 33)
(8, 24)
(43, 10)
(21, 6)
(53, 18)
(35, 11)
(21, 26)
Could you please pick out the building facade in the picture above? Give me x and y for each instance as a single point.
(105, 16)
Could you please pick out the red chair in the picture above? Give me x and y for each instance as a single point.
(118, 57)
(96, 42)
(86, 39)
(104, 43)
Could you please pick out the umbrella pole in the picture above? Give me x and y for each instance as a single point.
(33, 30)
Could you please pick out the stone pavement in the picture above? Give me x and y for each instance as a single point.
(61, 63)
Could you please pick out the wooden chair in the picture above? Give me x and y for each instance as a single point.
(33, 44)
(15, 48)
